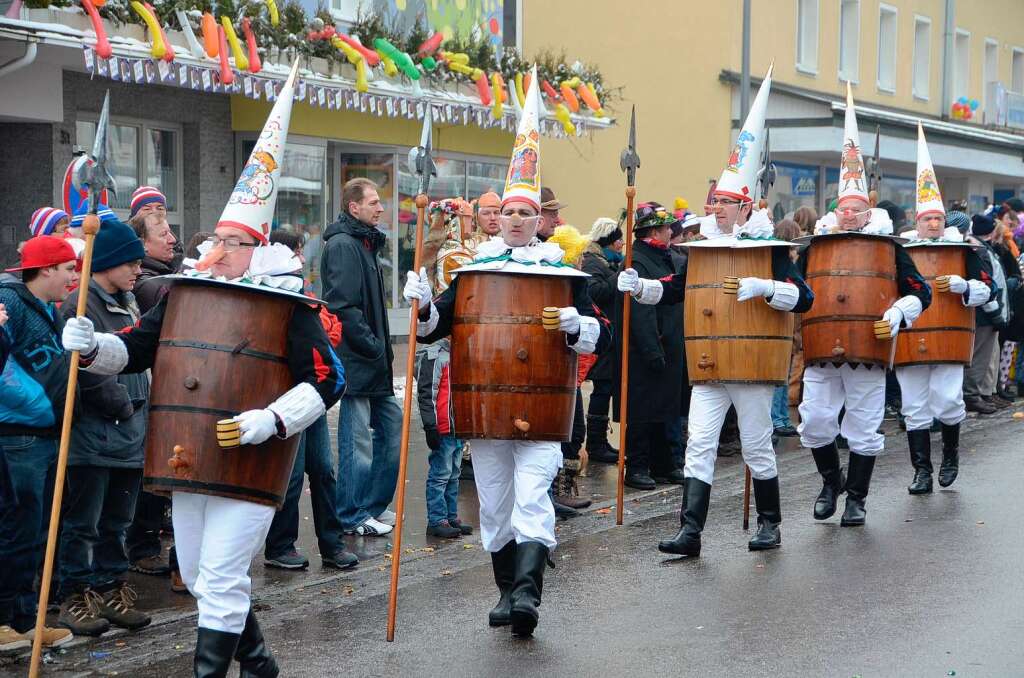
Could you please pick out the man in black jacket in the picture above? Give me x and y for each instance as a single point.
(370, 422)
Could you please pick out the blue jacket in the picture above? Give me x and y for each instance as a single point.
(34, 380)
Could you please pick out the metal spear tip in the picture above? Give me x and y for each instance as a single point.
(629, 161)
(421, 161)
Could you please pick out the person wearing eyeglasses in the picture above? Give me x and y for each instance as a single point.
(731, 219)
(517, 517)
(857, 387)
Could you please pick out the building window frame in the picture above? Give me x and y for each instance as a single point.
(884, 12)
(177, 217)
(805, 63)
(960, 88)
(986, 76)
(1016, 83)
(915, 86)
(852, 72)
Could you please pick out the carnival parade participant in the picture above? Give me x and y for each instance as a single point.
(217, 536)
(517, 519)
(856, 385)
(735, 224)
(935, 391)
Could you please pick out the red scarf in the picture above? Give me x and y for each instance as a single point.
(655, 243)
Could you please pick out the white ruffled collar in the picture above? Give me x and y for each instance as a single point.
(535, 252)
(879, 223)
(951, 234)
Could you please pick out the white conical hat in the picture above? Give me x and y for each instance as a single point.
(523, 179)
(739, 179)
(929, 200)
(252, 202)
(853, 181)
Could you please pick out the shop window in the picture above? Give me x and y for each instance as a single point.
(795, 186)
(378, 168)
(484, 176)
(140, 154)
(849, 40)
(807, 36)
(922, 56)
(887, 24)
(961, 66)
(1017, 71)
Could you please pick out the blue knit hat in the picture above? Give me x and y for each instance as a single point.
(982, 224)
(958, 220)
(102, 211)
(115, 244)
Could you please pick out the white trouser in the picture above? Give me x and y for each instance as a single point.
(709, 403)
(512, 482)
(216, 539)
(932, 392)
(829, 389)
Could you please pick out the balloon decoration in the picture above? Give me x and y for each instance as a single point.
(159, 47)
(227, 76)
(255, 66)
(275, 18)
(211, 39)
(964, 108)
(241, 62)
(103, 48)
(190, 37)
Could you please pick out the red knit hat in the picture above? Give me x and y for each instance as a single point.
(43, 251)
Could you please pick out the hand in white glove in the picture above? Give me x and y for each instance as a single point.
(754, 287)
(957, 285)
(894, 317)
(629, 281)
(79, 336)
(569, 320)
(256, 426)
(417, 288)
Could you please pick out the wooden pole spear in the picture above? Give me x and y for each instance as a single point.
(422, 164)
(97, 179)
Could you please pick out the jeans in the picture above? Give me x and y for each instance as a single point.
(780, 407)
(98, 507)
(443, 481)
(315, 460)
(369, 431)
(24, 521)
(143, 536)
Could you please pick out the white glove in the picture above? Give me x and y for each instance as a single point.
(894, 317)
(256, 426)
(79, 336)
(754, 287)
(629, 281)
(569, 320)
(417, 288)
(957, 285)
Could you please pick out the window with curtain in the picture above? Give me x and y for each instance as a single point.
(887, 27)
(849, 40)
(922, 56)
(807, 36)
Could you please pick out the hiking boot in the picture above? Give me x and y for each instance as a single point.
(598, 447)
(80, 613)
(153, 565)
(996, 402)
(339, 560)
(566, 491)
(444, 530)
(977, 404)
(51, 637)
(460, 526)
(118, 607)
(289, 560)
(11, 640)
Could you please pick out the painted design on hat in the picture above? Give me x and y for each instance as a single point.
(927, 187)
(740, 174)
(852, 167)
(522, 181)
(740, 151)
(256, 183)
(929, 198)
(852, 183)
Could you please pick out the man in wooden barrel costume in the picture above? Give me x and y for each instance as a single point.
(220, 518)
(493, 310)
(930, 358)
(867, 289)
(738, 241)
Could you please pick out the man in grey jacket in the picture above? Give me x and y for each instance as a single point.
(106, 456)
(370, 421)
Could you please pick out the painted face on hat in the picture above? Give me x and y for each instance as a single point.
(518, 223)
(931, 226)
(238, 246)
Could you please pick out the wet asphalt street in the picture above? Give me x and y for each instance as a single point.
(932, 586)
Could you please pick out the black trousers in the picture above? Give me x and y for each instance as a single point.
(571, 449)
(144, 532)
(648, 449)
(600, 398)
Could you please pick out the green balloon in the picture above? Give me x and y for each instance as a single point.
(429, 63)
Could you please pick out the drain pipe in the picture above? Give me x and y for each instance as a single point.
(31, 49)
(949, 31)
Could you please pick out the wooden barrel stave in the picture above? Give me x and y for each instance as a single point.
(853, 278)
(944, 333)
(728, 341)
(505, 366)
(194, 387)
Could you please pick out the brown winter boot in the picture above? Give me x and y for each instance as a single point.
(566, 492)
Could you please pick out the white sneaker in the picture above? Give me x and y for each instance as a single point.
(373, 528)
(388, 517)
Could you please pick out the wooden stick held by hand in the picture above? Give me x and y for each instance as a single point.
(627, 303)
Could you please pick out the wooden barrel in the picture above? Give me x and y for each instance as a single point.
(944, 333)
(223, 350)
(853, 277)
(510, 378)
(731, 342)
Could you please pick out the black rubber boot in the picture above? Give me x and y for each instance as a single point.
(769, 515)
(531, 559)
(253, 655)
(504, 564)
(692, 516)
(827, 460)
(857, 483)
(214, 650)
(598, 446)
(950, 454)
(920, 443)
